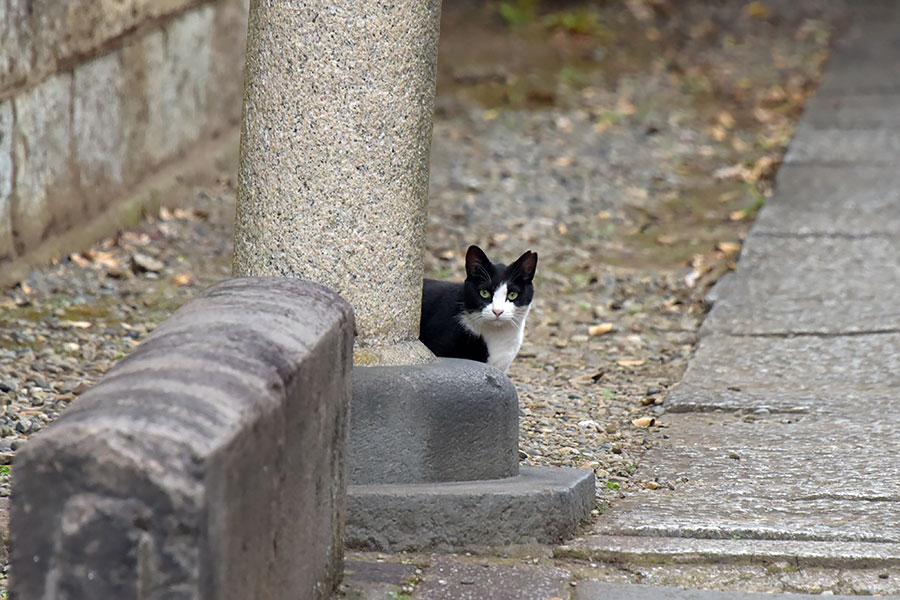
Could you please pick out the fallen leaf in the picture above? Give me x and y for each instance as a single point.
(666, 240)
(182, 279)
(106, 259)
(145, 262)
(600, 329)
(187, 215)
(562, 228)
(644, 422)
(757, 10)
(651, 485)
(76, 324)
(134, 238)
(165, 214)
(725, 119)
(738, 215)
(79, 260)
(729, 248)
(630, 363)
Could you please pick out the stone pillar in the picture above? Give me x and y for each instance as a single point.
(335, 150)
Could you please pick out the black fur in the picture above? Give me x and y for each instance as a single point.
(444, 301)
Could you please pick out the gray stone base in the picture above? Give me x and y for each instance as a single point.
(448, 420)
(541, 504)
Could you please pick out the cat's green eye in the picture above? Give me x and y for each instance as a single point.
(512, 295)
(485, 294)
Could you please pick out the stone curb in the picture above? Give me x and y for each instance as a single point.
(207, 464)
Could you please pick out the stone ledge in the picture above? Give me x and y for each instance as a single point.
(672, 550)
(235, 406)
(541, 504)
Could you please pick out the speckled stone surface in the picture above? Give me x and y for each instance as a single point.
(335, 154)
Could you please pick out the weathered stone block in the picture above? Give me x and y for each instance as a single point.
(207, 464)
(16, 44)
(6, 178)
(98, 126)
(177, 82)
(451, 420)
(41, 150)
(64, 30)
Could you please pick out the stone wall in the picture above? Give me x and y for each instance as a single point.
(95, 95)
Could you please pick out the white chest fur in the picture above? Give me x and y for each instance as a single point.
(502, 338)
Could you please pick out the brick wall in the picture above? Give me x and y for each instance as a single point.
(95, 95)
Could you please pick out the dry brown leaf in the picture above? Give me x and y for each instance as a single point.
(666, 240)
(79, 260)
(718, 133)
(729, 248)
(182, 279)
(630, 363)
(625, 106)
(757, 10)
(134, 238)
(106, 259)
(600, 329)
(188, 214)
(725, 119)
(644, 422)
(651, 485)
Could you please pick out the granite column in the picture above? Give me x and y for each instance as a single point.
(335, 146)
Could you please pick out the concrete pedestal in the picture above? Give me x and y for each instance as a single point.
(433, 464)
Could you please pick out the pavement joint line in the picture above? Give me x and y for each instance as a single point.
(834, 235)
(840, 163)
(813, 334)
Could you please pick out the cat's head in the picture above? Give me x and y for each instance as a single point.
(496, 294)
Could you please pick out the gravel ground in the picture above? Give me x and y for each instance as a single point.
(629, 144)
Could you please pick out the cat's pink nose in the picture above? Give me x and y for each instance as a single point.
(497, 311)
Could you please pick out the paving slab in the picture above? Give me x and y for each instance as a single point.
(854, 111)
(808, 196)
(793, 374)
(868, 146)
(453, 579)
(597, 590)
(678, 551)
(811, 285)
(822, 477)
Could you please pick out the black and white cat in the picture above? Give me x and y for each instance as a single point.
(482, 318)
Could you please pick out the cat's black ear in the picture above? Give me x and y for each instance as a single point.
(525, 266)
(476, 262)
